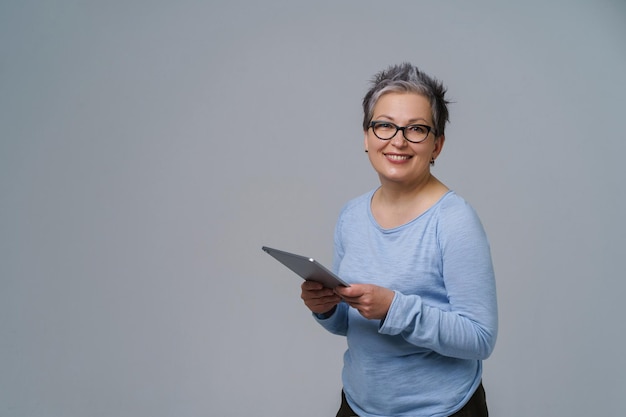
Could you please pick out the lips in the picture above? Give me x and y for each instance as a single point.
(397, 157)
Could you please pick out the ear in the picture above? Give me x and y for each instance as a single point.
(365, 140)
(439, 141)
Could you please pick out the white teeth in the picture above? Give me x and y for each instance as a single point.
(397, 157)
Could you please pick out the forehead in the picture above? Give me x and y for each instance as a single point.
(403, 105)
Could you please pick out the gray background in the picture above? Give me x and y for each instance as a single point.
(149, 149)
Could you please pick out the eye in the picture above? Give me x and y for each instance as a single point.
(384, 126)
(418, 129)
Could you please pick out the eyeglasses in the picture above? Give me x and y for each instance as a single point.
(413, 133)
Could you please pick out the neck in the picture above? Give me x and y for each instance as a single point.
(397, 193)
(393, 205)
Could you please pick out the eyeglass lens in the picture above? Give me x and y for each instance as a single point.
(413, 133)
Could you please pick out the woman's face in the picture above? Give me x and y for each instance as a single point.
(397, 160)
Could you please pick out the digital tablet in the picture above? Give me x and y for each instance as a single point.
(308, 268)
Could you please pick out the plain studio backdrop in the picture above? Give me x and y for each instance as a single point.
(149, 149)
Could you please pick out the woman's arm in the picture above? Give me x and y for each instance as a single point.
(467, 328)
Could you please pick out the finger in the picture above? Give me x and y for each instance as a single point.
(352, 299)
(320, 295)
(329, 299)
(352, 291)
(322, 306)
(311, 286)
(341, 290)
(324, 292)
(326, 303)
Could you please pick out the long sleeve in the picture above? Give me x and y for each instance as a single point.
(338, 322)
(467, 327)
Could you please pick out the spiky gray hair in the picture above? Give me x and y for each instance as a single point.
(408, 78)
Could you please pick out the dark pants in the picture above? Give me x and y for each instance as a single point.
(475, 407)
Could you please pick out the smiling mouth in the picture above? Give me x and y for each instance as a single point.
(394, 157)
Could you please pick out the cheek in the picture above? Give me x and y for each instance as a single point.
(372, 141)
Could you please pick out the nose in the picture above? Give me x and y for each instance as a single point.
(398, 139)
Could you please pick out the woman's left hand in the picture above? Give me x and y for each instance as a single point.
(371, 301)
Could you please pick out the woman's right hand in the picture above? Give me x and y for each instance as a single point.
(318, 298)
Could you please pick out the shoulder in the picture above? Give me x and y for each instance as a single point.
(358, 205)
(456, 213)
(452, 203)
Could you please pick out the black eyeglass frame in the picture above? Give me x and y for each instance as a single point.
(402, 128)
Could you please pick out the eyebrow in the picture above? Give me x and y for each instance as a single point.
(411, 121)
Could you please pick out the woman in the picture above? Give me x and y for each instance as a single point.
(420, 314)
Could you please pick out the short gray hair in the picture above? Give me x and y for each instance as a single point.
(408, 78)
